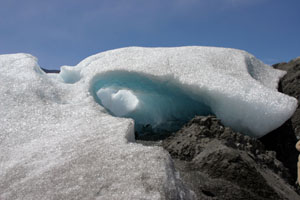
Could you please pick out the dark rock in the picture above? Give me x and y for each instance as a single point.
(290, 85)
(147, 133)
(283, 139)
(218, 163)
(56, 71)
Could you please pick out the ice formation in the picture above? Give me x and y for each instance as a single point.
(159, 103)
(174, 84)
(57, 142)
(119, 102)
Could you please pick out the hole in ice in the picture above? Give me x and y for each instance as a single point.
(158, 106)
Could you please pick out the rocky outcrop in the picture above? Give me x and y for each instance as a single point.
(56, 71)
(283, 139)
(218, 163)
(290, 85)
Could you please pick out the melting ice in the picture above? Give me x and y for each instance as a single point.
(160, 104)
(60, 137)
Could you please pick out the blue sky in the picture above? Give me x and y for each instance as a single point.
(63, 32)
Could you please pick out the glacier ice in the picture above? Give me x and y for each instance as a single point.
(57, 142)
(69, 75)
(159, 103)
(232, 84)
(119, 102)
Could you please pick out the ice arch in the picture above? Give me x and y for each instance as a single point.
(156, 105)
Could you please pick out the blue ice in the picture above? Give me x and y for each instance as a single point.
(157, 103)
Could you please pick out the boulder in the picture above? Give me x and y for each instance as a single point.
(290, 85)
(218, 163)
(283, 139)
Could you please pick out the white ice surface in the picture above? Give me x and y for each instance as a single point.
(119, 102)
(238, 88)
(56, 142)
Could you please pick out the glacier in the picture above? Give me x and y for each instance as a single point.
(159, 105)
(72, 135)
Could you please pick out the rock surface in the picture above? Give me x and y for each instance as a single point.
(56, 71)
(290, 85)
(283, 139)
(217, 163)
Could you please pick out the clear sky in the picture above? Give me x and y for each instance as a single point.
(63, 32)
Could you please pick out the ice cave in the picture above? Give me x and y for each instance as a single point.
(158, 106)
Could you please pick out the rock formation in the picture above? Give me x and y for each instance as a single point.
(218, 163)
(283, 139)
(51, 70)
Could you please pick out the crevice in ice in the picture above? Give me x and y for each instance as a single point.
(158, 106)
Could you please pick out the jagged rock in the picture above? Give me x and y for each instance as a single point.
(218, 163)
(283, 139)
(290, 85)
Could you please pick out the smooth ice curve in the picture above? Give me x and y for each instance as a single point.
(119, 102)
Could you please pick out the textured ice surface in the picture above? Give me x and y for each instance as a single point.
(232, 84)
(57, 142)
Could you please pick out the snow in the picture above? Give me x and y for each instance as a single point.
(58, 141)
